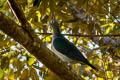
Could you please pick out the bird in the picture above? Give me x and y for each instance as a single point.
(65, 49)
(36, 3)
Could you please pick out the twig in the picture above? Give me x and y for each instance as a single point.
(81, 35)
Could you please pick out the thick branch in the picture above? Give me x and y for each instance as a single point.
(18, 12)
(37, 48)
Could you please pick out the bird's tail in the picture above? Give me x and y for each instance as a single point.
(89, 64)
(92, 66)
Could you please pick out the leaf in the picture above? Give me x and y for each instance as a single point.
(75, 28)
(100, 78)
(1, 73)
(13, 42)
(109, 74)
(109, 26)
(39, 15)
(52, 6)
(62, 15)
(43, 7)
(118, 28)
(30, 61)
(117, 51)
(5, 63)
(80, 3)
(74, 39)
(19, 65)
(34, 74)
(24, 74)
(1, 37)
(107, 30)
(11, 75)
(48, 39)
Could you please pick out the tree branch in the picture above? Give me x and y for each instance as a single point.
(81, 35)
(18, 12)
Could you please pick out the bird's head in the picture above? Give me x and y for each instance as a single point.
(53, 23)
(55, 26)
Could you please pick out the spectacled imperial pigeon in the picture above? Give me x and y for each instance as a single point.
(64, 49)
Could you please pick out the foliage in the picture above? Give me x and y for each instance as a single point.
(17, 63)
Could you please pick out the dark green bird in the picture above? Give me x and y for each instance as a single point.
(64, 49)
(36, 3)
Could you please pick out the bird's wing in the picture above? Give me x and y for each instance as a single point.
(67, 48)
(36, 3)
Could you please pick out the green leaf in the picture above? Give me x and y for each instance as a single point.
(1, 73)
(52, 6)
(118, 28)
(5, 63)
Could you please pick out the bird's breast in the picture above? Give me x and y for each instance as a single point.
(60, 55)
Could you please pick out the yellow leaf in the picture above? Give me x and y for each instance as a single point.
(109, 26)
(109, 74)
(30, 61)
(62, 27)
(48, 39)
(105, 25)
(107, 30)
(11, 75)
(74, 39)
(39, 15)
(102, 19)
(100, 79)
